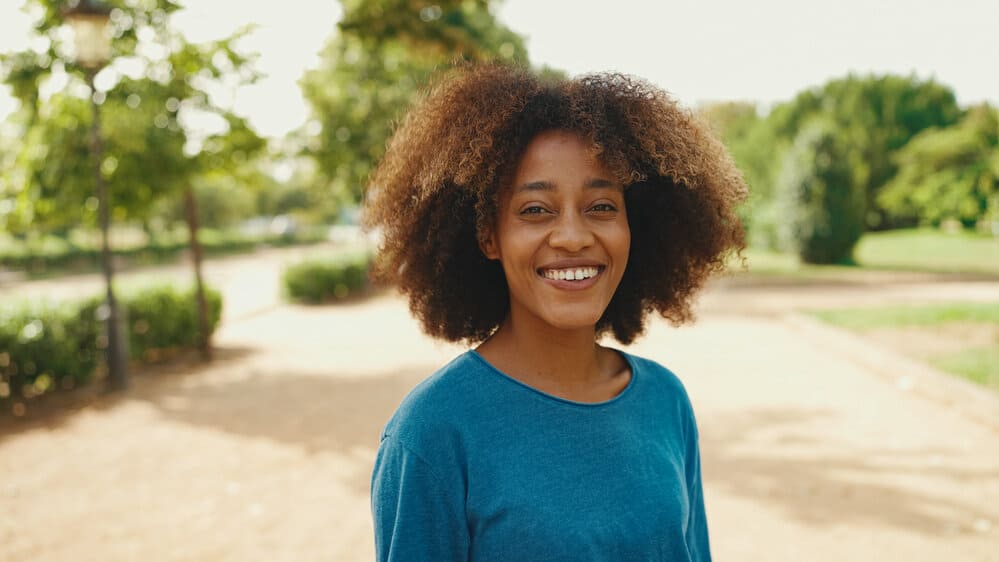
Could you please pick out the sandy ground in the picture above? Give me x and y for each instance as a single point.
(265, 454)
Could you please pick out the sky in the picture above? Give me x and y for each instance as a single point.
(705, 50)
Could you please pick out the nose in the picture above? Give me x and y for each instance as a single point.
(570, 233)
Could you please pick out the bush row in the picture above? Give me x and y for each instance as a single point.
(69, 257)
(48, 346)
(318, 280)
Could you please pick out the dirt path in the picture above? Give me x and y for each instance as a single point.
(266, 454)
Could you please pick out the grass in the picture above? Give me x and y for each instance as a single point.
(921, 250)
(980, 365)
(862, 319)
(977, 364)
(929, 250)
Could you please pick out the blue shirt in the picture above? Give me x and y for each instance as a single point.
(475, 465)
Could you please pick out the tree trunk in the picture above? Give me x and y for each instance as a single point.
(191, 213)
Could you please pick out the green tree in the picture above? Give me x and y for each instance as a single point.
(753, 144)
(876, 116)
(950, 172)
(155, 79)
(370, 72)
(822, 207)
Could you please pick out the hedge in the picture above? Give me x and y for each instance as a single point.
(66, 256)
(318, 280)
(45, 346)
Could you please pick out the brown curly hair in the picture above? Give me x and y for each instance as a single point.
(434, 195)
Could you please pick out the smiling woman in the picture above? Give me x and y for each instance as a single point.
(528, 217)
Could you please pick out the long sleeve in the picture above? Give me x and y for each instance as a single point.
(417, 516)
(696, 534)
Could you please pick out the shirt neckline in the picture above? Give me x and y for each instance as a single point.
(620, 395)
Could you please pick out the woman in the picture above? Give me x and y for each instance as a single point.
(529, 217)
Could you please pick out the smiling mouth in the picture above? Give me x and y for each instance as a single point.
(571, 273)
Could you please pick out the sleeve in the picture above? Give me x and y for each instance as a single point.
(697, 523)
(418, 516)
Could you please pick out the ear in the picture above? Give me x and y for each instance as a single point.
(489, 245)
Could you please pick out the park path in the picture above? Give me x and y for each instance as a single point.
(808, 453)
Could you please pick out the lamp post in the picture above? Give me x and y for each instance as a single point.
(89, 21)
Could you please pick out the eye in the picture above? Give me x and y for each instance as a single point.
(533, 210)
(603, 208)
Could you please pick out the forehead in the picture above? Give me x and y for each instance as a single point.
(558, 156)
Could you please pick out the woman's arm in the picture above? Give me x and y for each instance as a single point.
(697, 525)
(418, 515)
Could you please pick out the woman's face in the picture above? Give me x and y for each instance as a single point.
(561, 234)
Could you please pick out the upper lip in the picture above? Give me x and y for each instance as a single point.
(571, 263)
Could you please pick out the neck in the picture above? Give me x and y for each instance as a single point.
(544, 355)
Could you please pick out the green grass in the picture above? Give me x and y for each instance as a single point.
(861, 319)
(920, 250)
(977, 364)
(980, 365)
(929, 250)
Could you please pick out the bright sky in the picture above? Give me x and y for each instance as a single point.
(704, 50)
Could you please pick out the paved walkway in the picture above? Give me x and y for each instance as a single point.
(808, 454)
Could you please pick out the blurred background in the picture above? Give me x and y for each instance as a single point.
(194, 365)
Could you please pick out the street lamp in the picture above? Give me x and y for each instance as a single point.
(89, 22)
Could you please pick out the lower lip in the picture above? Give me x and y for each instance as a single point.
(572, 285)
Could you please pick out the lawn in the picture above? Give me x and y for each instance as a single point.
(922, 250)
(962, 339)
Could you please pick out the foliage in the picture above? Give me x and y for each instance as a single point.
(316, 281)
(753, 144)
(47, 346)
(875, 116)
(43, 346)
(156, 82)
(822, 208)
(949, 173)
(163, 320)
(51, 254)
(223, 201)
(371, 71)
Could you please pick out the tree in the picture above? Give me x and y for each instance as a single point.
(155, 79)
(372, 69)
(822, 207)
(950, 172)
(753, 144)
(876, 116)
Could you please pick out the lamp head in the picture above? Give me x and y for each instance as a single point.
(89, 20)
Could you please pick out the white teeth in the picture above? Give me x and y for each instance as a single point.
(576, 274)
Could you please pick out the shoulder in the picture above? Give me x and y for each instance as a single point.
(438, 402)
(437, 418)
(661, 388)
(656, 376)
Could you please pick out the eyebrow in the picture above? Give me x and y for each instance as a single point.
(596, 183)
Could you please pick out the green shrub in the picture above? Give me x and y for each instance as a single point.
(40, 258)
(820, 203)
(43, 346)
(47, 346)
(163, 319)
(320, 280)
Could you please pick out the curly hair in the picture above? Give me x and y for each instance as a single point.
(434, 195)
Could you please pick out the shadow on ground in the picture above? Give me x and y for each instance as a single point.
(842, 487)
(342, 414)
(54, 410)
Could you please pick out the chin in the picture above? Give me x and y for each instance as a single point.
(574, 321)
